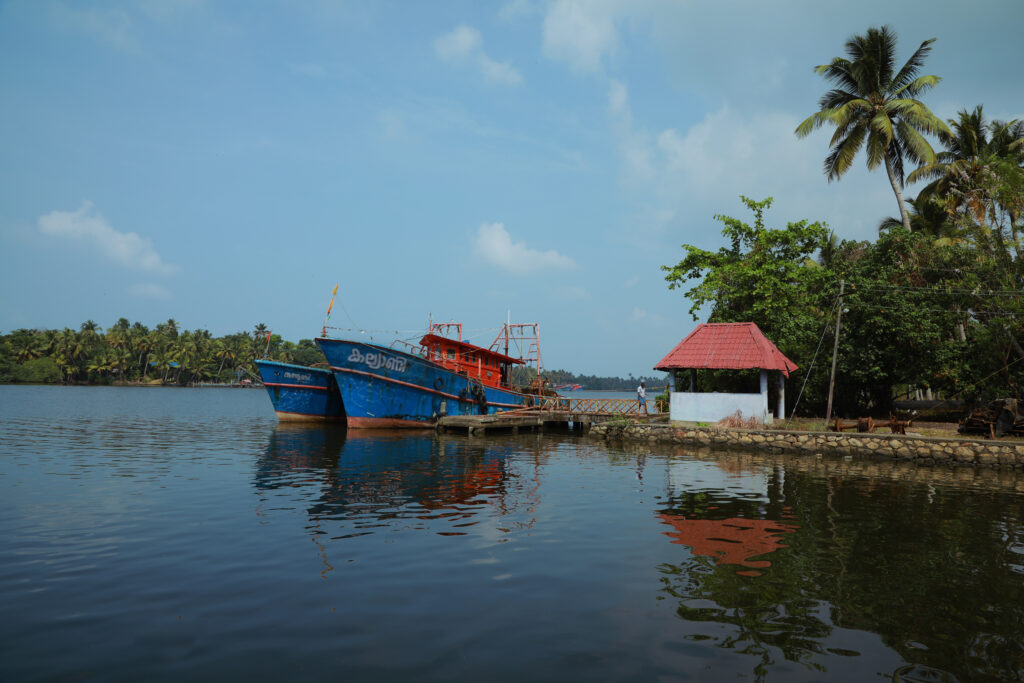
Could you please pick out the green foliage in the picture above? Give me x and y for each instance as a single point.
(131, 352)
(36, 371)
(926, 310)
(760, 276)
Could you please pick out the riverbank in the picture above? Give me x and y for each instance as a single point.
(918, 449)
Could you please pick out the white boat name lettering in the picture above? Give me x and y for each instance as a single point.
(298, 377)
(376, 361)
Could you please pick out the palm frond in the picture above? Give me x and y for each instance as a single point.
(928, 171)
(895, 153)
(915, 146)
(881, 125)
(878, 143)
(836, 98)
(840, 159)
(917, 86)
(838, 71)
(917, 114)
(812, 123)
(906, 75)
(851, 111)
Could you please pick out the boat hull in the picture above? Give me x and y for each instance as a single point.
(300, 393)
(385, 388)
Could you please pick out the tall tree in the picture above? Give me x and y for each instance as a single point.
(875, 106)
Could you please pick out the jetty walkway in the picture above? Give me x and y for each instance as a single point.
(554, 414)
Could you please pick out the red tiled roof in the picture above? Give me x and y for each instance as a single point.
(726, 346)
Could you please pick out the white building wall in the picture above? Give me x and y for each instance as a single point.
(712, 407)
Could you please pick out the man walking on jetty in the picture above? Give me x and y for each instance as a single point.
(641, 397)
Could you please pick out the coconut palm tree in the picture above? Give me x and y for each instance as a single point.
(972, 143)
(927, 216)
(875, 106)
(981, 171)
(25, 345)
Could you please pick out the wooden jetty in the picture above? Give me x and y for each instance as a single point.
(555, 414)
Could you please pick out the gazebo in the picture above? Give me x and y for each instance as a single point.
(725, 346)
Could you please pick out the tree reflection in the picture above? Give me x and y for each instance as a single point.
(927, 567)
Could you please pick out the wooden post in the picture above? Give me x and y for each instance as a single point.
(835, 352)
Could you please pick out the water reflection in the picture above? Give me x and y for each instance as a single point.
(829, 552)
(370, 480)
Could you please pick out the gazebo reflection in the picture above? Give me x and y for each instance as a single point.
(734, 540)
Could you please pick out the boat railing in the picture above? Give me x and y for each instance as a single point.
(413, 349)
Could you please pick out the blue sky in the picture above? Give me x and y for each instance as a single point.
(227, 163)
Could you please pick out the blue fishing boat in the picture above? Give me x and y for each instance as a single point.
(387, 387)
(300, 393)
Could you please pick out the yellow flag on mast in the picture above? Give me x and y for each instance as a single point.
(334, 293)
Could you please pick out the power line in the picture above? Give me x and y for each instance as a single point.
(919, 309)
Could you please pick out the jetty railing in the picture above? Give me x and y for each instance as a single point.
(594, 406)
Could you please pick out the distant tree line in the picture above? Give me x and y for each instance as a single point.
(133, 353)
(557, 377)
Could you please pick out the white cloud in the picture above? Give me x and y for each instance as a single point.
(581, 32)
(392, 125)
(498, 72)
(127, 249)
(495, 245)
(516, 9)
(461, 43)
(465, 45)
(690, 174)
(150, 290)
(634, 145)
(110, 26)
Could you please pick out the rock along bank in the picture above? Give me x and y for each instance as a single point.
(921, 450)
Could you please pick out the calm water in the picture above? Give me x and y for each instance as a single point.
(178, 534)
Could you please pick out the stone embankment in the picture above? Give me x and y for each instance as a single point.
(921, 450)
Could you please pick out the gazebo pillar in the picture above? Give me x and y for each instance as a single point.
(781, 412)
(764, 394)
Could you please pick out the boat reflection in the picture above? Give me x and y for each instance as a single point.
(368, 480)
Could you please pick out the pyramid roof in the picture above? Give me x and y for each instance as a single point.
(726, 346)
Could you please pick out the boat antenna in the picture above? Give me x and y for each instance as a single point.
(508, 323)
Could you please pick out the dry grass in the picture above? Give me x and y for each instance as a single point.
(736, 421)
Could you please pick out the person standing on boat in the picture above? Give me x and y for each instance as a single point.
(641, 397)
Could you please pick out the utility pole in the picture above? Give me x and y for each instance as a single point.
(835, 352)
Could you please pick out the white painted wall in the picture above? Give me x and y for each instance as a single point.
(712, 407)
